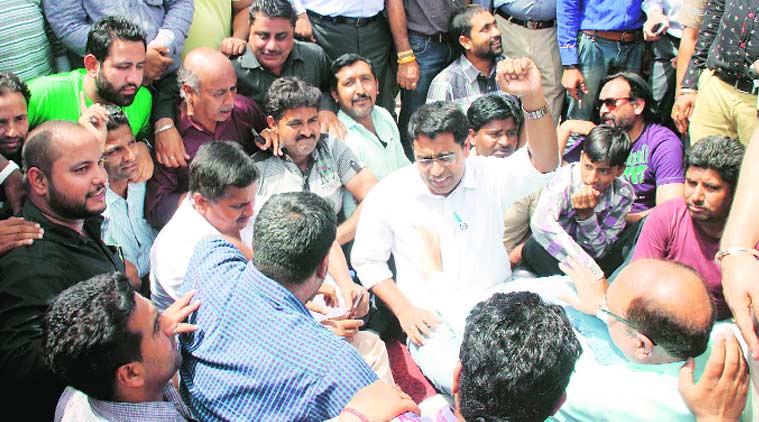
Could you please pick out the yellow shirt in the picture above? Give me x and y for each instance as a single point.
(211, 23)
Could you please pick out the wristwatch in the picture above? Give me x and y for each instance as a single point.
(537, 114)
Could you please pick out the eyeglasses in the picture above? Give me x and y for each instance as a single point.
(443, 160)
(611, 103)
(603, 309)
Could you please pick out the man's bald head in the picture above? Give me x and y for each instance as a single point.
(667, 302)
(43, 144)
(202, 65)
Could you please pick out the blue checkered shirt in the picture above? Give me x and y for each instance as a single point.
(259, 355)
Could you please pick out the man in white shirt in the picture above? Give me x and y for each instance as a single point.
(462, 200)
(220, 201)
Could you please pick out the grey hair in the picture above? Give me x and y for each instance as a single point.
(185, 76)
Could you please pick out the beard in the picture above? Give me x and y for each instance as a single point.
(109, 93)
(68, 208)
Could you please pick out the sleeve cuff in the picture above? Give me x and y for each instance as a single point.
(373, 274)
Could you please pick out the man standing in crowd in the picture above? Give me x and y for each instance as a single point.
(610, 37)
(473, 73)
(66, 196)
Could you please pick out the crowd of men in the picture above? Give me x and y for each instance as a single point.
(226, 212)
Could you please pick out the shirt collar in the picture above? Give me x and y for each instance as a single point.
(275, 292)
(471, 72)
(59, 233)
(249, 61)
(156, 410)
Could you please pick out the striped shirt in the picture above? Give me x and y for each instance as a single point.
(260, 356)
(24, 46)
(556, 228)
(463, 83)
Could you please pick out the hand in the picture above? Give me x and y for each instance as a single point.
(95, 119)
(169, 147)
(417, 323)
(432, 262)
(303, 29)
(343, 327)
(379, 401)
(16, 231)
(584, 202)
(232, 46)
(515, 256)
(590, 291)
(172, 317)
(741, 291)
(520, 77)
(15, 191)
(683, 109)
(330, 296)
(145, 165)
(571, 79)
(655, 17)
(408, 75)
(350, 294)
(720, 394)
(157, 61)
(130, 270)
(580, 127)
(330, 123)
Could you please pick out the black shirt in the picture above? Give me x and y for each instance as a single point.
(728, 42)
(30, 278)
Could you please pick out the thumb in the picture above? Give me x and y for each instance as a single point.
(82, 103)
(685, 377)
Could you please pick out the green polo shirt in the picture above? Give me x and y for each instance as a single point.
(56, 97)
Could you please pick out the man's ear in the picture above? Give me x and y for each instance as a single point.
(465, 42)
(644, 347)
(201, 203)
(130, 375)
(271, 122)
(470, 138)
(37, 181)
(92, 65)
(456, 386)
(640, 105)
(321, 271)
(621, 170)
(334, 94)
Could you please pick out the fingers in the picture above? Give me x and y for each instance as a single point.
(319, 309)
(685, 377)
(185, 328)
(413, 334)
(82, 104)
(716, 363)
(742, 316)
(735, 366)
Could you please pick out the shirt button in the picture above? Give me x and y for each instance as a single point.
(743, 45)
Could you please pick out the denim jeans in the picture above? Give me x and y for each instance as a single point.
(432, 57)
(597, 58)
(663, 76)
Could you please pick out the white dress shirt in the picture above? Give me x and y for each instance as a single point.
(351, 9)
(469, 223)
(173, 248)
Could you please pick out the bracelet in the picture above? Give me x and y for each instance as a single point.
(407, 60)
(537, 114)
(7, 170)
(732, 251)
(687, 91)
(355, 413)
(406, 53)
(163, 128)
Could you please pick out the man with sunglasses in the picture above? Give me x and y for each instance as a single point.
(462, 200)
(651, 323)
(655, 164)
(124, 222)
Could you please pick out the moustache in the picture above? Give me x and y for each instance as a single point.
(304, 137)
(9, 139)
(227, 109)
(361, 97)
(123, 87)
(97, 191)
(271, 52)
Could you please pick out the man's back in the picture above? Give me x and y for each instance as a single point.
(260, 355)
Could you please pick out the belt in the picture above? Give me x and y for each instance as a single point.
(624, 37)
(527, 24)
(743, 85)
(340, 20)
(440, 37)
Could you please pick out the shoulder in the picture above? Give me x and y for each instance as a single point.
(310, 50)
(657, 134)
(55, 82)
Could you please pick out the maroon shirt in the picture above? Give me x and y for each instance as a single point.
(168, 184)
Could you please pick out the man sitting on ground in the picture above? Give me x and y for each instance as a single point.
(688, 230)
(258, 338)
(123, 369)
(582, 211)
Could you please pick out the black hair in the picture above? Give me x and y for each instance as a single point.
(273, 9)
(292, 234)
(289, 92)
(116, 117)
(109, 29)
(439, 117)
(347, 59)
(10, 83)
(487, 108)
(85, 336)
(719, 153)
(517, 356)
(605, 142)
(218, 165)
(38, 150)
(461, 21)
(639, 89)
